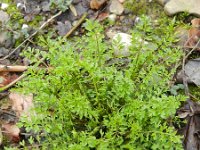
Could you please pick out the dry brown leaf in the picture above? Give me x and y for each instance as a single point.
(11, 131)
(96, 4)
(102, 16)
(193, 36)
(21, 104)
(6, 78)
(195, 23)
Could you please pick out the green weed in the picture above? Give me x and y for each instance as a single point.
(86, 103)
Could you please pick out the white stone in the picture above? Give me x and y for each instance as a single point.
(112, 17)
(4, 6)
(116, 7)
(121, 43)
(175, 6)
(24, 26)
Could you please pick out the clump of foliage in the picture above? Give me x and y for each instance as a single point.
(60, 4)
(83, 102)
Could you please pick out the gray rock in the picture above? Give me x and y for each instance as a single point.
(4, 17)
(6, 40)
(175, 6)
(45, 6)
(63, 28)
(112, 18)
(3, 51)
(116, 7)
(33, 7)
(162, 2)
(192, 72)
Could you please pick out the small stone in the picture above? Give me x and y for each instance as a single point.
(3, 51)
(116, 7)
(5, 40)
(20, 6)
(96, 4)
(4, 17)
(176, 6)
(45, 6)
(4, 6)
(121, 43)
(24, 26)
(112, 17)
(162, 2)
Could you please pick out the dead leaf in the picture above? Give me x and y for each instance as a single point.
(102, 16)
(193, 36)
(96, 4)
(73, 9)
(196, 22)
(11, 131)
(6, 78)
(21, 104)
(192, 130)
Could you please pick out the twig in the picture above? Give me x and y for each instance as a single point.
(28, 39)
(4, 68)
(76, 26)
(12, 83)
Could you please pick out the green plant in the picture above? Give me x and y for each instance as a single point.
(60, 4)
(86, 103)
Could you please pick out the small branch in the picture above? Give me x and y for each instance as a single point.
(76, 26)
(12, 83)
(4, 68)
(32, 35)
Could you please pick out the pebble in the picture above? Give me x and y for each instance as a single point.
(96, 4)
(172, 7)
(124, 40)
(112, 18)
(5, 40)
(4, 6)
(45, 6)
(116, 7)
(4, 17)
(24, 26)
(3, 51)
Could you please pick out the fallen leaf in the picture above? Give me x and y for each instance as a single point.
(102, 16)
(73, 9)
(195, 23)
(193, 36)
(6, 78)
(11, 131)
(191, 139)
(21, 104)
(96, 4)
